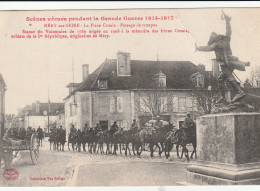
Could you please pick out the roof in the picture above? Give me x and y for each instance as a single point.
(142, 74)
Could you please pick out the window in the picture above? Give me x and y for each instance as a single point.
(189, 103)
(144, 104)
(175, 104)
(119, 105)
(163, 104)
(112, 104)
(182, 104)
(116, 105)
(102, 83)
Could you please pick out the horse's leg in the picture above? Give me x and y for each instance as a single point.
(120, 148)
(115, 148)
(128, 149)
(50, 145)
(151, 149)
(177, 150)
(160, 152)
(84, 145)
(186, 153)
(183, 150)
(68, 145)
(133, 148)
(102, 147)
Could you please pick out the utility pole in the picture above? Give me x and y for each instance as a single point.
(48, 113)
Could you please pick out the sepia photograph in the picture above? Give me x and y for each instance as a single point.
(130, 97)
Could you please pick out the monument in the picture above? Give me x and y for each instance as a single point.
(228, 141)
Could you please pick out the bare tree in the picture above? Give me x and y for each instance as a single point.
(153, 102)
(205, 96)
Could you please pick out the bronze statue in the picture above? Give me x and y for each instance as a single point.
(220, 44)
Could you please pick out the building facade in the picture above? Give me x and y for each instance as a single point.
(123, 89)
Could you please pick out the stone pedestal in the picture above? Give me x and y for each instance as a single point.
(228, 148)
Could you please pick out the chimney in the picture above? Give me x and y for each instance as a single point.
(215, 68)
(85, 71)
(123, 64)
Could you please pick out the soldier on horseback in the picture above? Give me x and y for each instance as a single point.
(188, 126)
(98, 128)
(114, 128)
(86, 128)
(158, 123)
(73, 129)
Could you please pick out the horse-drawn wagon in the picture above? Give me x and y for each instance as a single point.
(12, 147)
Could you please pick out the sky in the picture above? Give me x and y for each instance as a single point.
(31, 67)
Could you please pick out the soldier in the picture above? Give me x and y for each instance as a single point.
(98, 128)
(220, 44)
(188, 126)
(158, 123)
(86, 127)
(22, 133)
(73, 129)
(60, 130)
(114, 128)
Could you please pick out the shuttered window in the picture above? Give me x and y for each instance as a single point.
(112, 104)
(119, 105)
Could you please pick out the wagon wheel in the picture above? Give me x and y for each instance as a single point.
(34, 149)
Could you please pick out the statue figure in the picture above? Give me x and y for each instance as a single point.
(220, 44)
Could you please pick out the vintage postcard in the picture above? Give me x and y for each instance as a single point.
(130, 97)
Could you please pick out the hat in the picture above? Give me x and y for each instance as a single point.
(214, 37)
(115, 122)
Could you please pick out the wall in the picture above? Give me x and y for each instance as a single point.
(82, 112)
(103, 108)
(60, 120)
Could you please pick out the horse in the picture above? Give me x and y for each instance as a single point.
(53, 139)
(79, 137)
(40, 137)
(72, 139)
(183, 138)
(147, 135)
(61, 139)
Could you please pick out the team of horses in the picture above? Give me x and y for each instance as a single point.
(110, 142)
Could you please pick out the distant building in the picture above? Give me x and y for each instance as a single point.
(2, 104)
(119, 90)
(37, 114)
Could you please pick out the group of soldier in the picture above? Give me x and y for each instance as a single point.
(20, 133)
(187, 126)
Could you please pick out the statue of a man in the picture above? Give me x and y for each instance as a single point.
(220, 44)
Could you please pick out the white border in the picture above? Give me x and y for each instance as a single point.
(36, 5)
